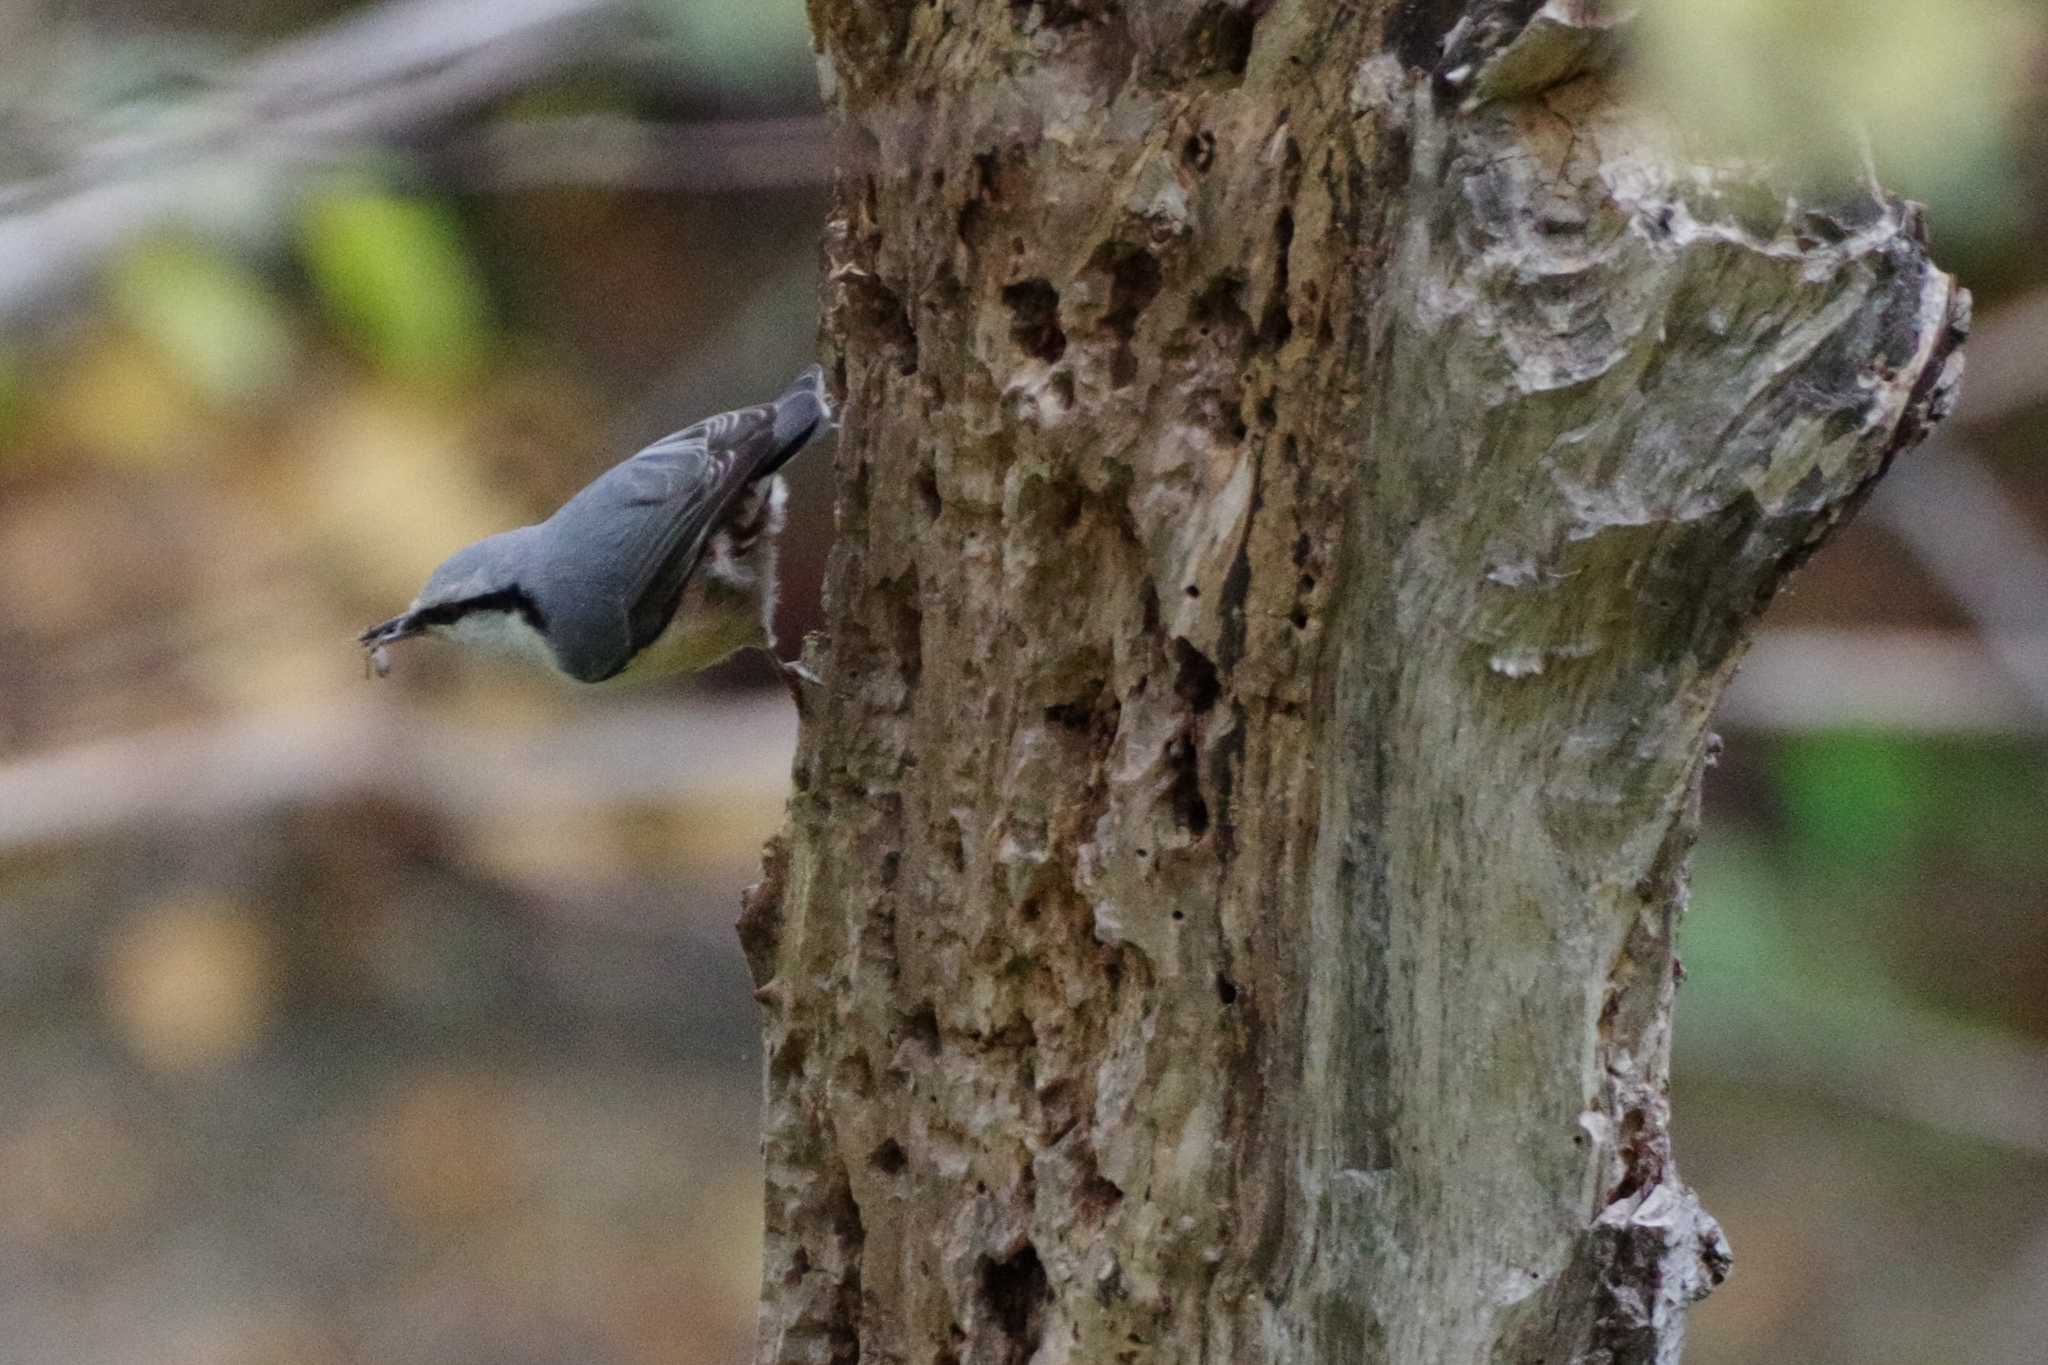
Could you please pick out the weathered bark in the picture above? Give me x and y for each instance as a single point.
(1304, 485)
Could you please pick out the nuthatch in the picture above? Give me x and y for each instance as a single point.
(663, 564)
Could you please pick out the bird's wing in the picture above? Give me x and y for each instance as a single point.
(688, 482)
(626, 545)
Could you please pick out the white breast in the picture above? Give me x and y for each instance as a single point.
(504, 635)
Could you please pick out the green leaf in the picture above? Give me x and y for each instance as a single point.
(216, 323)
(1853, 795)
(394, 274)
(13, 392)
(1986, 802)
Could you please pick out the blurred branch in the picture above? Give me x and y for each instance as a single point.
(379, 72)
(1948, 509)
(608, 150)
(2012, 1318)
(2006, 375)
(367, 77)
(1894, 1058)
(721, 751)
(1929, 682)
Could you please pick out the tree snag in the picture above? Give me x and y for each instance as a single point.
(1309, 470)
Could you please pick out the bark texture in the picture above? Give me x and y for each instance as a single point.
(1308, 471)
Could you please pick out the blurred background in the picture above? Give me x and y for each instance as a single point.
(345, 1024)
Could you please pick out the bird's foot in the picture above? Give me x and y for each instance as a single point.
(796, 678)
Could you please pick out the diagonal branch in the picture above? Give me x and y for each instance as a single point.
(226, 160)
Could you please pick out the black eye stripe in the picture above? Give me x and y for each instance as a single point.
(512, 599)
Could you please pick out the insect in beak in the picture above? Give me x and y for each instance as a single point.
(377, 639)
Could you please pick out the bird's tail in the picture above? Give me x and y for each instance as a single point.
(802, 409)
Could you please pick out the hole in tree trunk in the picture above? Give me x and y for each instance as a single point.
(1015, 1291)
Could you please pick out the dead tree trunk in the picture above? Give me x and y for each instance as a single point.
(1309, 469)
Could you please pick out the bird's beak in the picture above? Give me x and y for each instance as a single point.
(378, 661)
(397, 628)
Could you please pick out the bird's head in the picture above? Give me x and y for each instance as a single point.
(475, 596)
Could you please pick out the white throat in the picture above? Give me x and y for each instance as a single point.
(503, 634)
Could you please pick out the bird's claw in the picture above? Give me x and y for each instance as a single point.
(796, 677)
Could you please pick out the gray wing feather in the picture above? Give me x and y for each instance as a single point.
(642, 527)
(692, 480)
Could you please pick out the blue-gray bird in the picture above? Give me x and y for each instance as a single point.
(663, 564)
